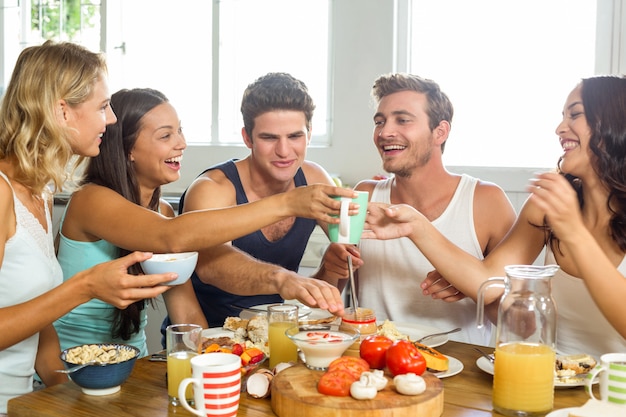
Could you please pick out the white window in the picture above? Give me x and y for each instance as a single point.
(257, 37)
(507, 68)
(169, 45)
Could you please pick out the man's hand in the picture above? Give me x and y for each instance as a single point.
(438, 288)
(334, 265)
(312, 292)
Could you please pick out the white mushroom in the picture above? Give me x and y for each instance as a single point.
(364, 388)
(377, 378)
(409, 384)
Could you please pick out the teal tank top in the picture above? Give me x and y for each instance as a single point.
(91, 322)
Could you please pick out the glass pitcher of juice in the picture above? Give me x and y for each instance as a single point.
(523, 382)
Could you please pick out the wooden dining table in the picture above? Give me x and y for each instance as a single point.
(467, 394)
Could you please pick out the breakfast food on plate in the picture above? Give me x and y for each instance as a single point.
(579, 364)
(435, 361)
(568, 368)
(388, 329)
(250, 333)
(596, 408)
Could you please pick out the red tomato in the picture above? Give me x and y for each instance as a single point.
(355, 366)
(336, 383)
(374, 348)
(403, 358)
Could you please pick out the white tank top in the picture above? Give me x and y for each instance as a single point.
(28, 270)
(389, 281)
(581, 327)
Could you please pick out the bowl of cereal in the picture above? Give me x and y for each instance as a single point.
(182, 263)
(110, 364)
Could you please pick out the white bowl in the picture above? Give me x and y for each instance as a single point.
(182, 263)
(322, 344)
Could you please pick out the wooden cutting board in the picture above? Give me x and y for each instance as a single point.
(294, 392)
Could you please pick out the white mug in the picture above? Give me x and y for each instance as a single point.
(612, 371)
(216, 379)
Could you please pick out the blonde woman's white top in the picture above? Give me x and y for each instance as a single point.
(29, 269)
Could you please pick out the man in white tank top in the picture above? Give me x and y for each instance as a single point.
(411, 126)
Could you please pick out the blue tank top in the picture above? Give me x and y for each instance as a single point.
(286, 252)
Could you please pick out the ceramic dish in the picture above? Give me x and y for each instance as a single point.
(455, 366)
(487, 366)
(217, 332)
(416, 331)
(563, 412)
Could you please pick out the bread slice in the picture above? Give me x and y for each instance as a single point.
(567, 365)
(596, 408)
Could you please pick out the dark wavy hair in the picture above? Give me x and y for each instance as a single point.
(113, 169)
(604, 102)
(275, 91)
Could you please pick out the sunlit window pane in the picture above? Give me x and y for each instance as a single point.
(257, 37)
(507, 67)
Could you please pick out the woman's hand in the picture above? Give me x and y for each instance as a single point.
(316, 202)
(385, 221)
(554, 195)
(111, 283)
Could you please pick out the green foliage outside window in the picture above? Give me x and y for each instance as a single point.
(63, 19)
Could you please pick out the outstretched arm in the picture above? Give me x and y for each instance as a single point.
(149, 231)
(108, 282)
(465, 272)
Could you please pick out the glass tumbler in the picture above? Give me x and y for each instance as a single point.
(281, 317)
(182, 343)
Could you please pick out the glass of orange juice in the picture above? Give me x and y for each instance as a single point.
(281, 317)
(182, 342)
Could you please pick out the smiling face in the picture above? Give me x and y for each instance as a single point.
(89, 120)
(278, 144)
(159, 147)
(402, 134)
(574, 134)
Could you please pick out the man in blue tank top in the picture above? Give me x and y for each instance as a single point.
(277, 111)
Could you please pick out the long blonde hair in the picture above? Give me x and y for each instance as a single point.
(30, 132)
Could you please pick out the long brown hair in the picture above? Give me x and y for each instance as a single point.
(113, 169)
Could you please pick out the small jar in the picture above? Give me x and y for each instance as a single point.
(364, 320)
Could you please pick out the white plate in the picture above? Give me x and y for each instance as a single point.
(563, 412)
(217, 332)
(487, 366)
(416, 331)
(455, 366)
(303, 312)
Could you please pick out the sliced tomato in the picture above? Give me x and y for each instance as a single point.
(355, 366)
(336, 382)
